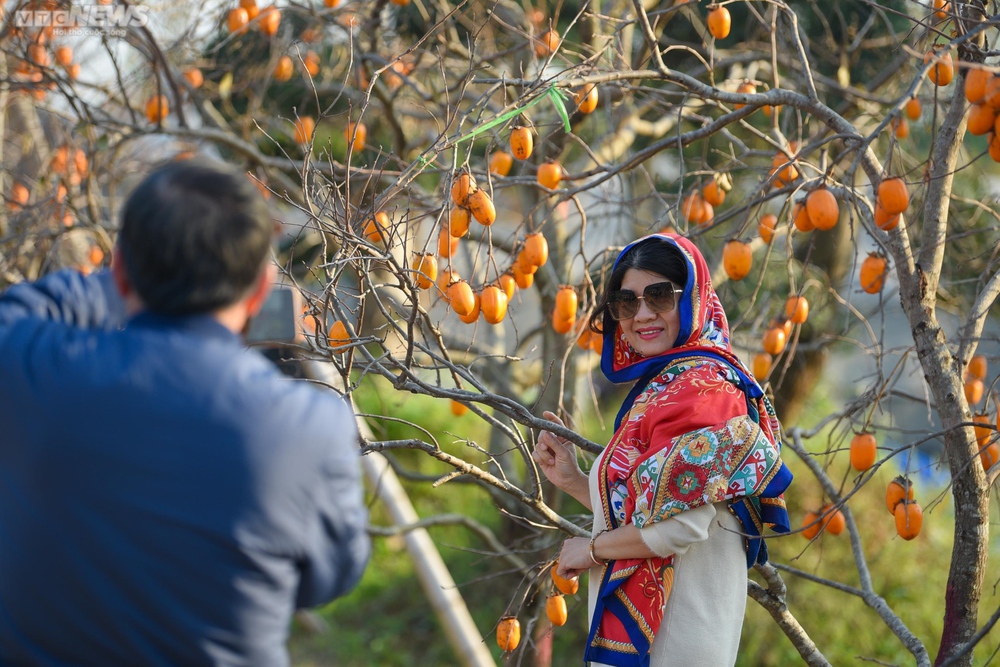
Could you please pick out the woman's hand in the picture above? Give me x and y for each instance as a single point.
(556, 457)
(574, 558)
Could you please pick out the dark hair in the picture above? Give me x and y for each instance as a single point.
(655, 255)
(194, 238)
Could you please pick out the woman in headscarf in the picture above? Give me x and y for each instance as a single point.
(690, 478)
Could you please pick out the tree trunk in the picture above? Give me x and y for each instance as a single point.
(969, 490)
(918, 283)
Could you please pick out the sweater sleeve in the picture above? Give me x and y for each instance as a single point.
(676, 534)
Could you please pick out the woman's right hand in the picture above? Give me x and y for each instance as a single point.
(556, 457)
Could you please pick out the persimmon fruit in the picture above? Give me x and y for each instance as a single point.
(508, 633)
(774, 341)
(501, 163)
(461, 187)
(797, 309)
(311, 62)
(458, 221)
(555, 609)
(864, 451)
(508, 284)
(800, 217)
(194, 77)
(536, 249)
(521, 142)
(157, 108)
(356, 135)
(909, 519)
(834, 521)
(447, 244)
(811, 525)
(745, 88)
(473, 315)
(719, 21)
(482, 207)
(563, 585)
(566, 302)
(493, 302)
(64, 55)
(587, 98)
(304, 128)
(823, 209)
(550, 174)
(237, 20)
(426, 269)
(942, 70)
(337, 338)
(547, 44)
(873, 272)
(975, 85)
(897, 490)
(974, 389)
(377, 228)
(978, 367)
(713, 193)
(761, 365)
(252, 9)
(461, 297)
(737, 259)
(269, 21)
(766, 226)
(982, 117)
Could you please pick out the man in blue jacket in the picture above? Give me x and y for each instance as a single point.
(167, 497)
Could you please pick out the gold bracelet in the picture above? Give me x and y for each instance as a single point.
(592, 541)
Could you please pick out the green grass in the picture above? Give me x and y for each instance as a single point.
(387, 621)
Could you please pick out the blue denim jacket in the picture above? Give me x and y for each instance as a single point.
(167, 497)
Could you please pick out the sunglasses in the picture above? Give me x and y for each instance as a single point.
(659, 297)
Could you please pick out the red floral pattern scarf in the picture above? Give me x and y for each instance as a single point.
(696, 429)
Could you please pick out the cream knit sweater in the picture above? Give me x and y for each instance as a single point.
(703, 617)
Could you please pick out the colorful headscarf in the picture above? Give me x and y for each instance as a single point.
(695, 429)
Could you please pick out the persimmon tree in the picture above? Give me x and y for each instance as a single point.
(454, 180)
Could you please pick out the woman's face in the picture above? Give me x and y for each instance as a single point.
(649, 333)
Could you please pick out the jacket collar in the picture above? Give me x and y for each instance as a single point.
(202, 324)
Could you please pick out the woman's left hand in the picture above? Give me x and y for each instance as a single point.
(574, 557)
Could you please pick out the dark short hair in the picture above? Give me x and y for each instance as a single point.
(654, 255)
(194, 238)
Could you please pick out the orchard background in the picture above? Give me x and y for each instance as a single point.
(842, 153)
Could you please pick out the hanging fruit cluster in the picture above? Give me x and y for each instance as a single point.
(986, 434)
(909, 518)
(509, 628)
(907, 514)
(249, 15)
(975, 380)
(827, 518)
(470, 201)
(777, 335)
